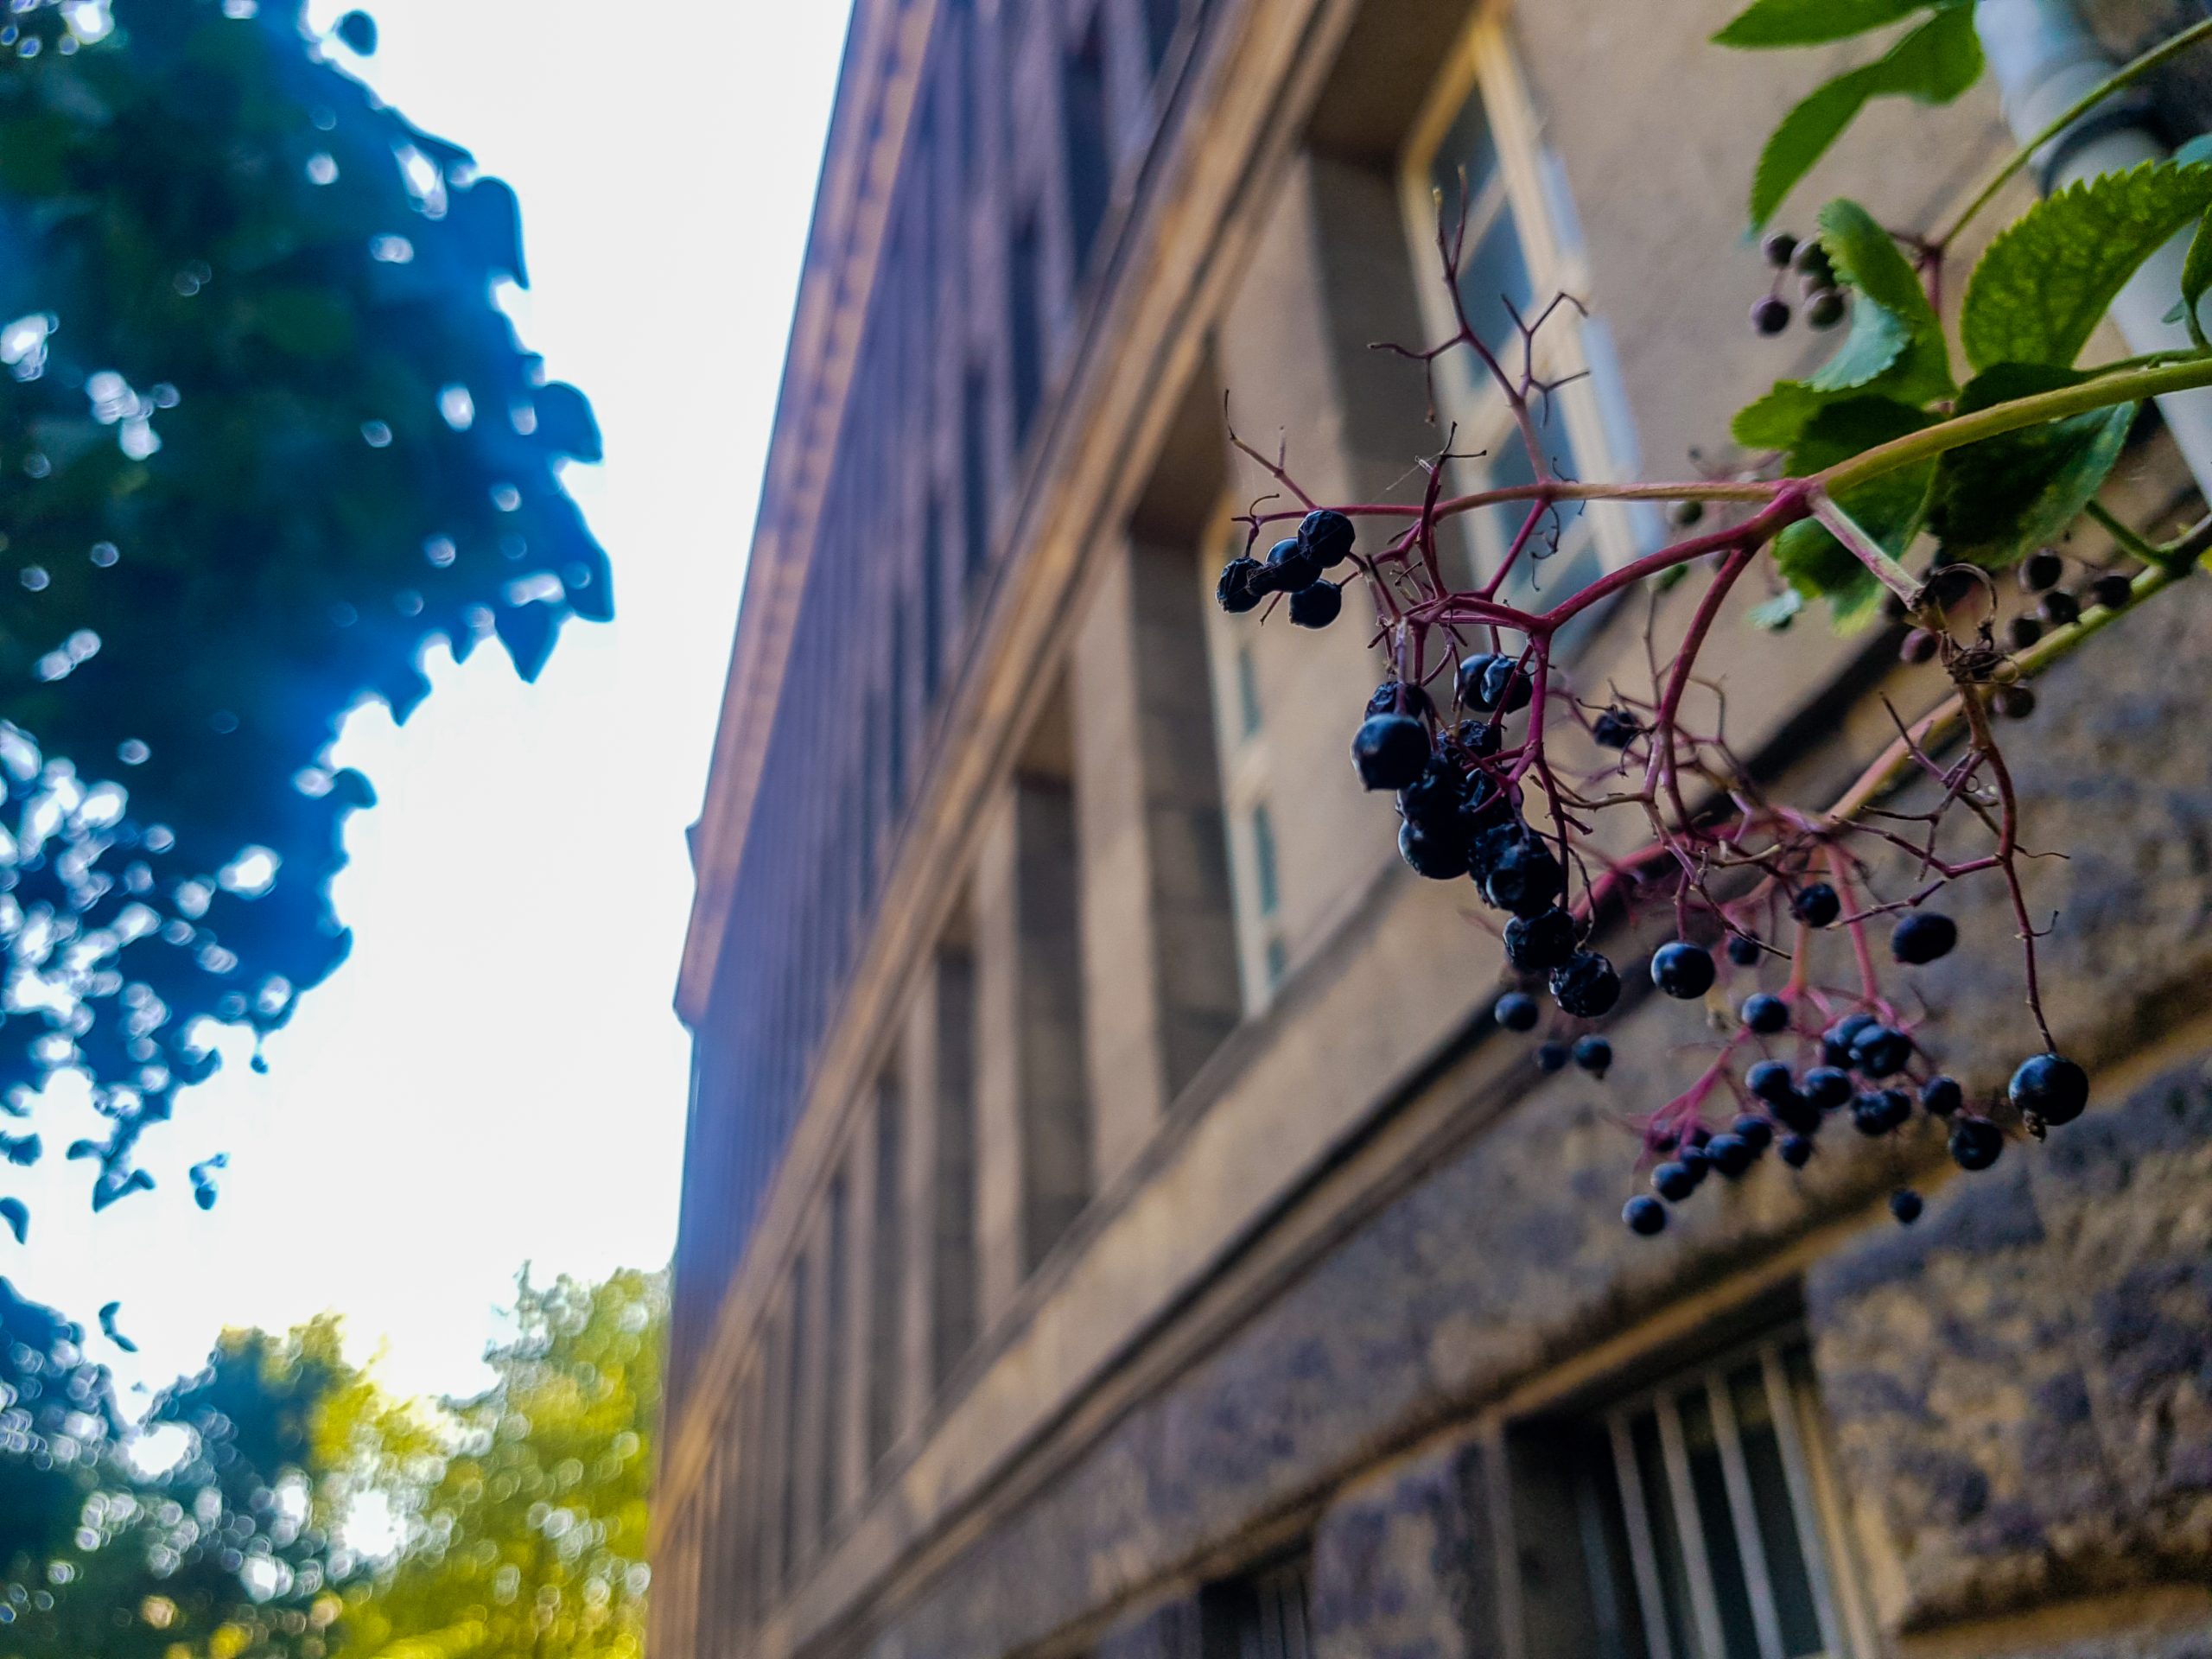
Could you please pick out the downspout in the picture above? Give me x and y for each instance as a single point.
(2045, 59)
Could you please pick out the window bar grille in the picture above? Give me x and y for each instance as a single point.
(1644, 1555)
(1690, 1527)
(1781, 1404)
(1736, 1476)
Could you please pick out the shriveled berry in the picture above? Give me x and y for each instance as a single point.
(1587, 986)
(1753, 1131)
(2060, 608)
(1743, 951)
(1433, 799)
(1975, 1143)
(1517, 1011)
(2013, 701)
(2043, 568)
(1327, 535)
(1393, 697)
(1674, 1181)
(1922, 936)
(1905, 1205)
(1644, 1215)
(1439, 855)
(1290, 567)
(1881, 1051)
(1731, 1155)
(1616, 729)
(1317, 606)
(1593, 1054)
(2054, 1089)
(1780, 248)
(1235, 592)
(2113, 591)
(1525, 878)
(1552, 1057)
(1771, 316)
(1942, 1096)
(1880, 1111)
(1390, 751)
(1538, 943)
(2023, 632)
(1816, 905)
(1826, 1086)
(1796, 1150)
(1917, 647)
(1683, 970)
(1769, 1080)
(1474, 669)
(1506, 685)
(1824, 308)
(1766, 1013)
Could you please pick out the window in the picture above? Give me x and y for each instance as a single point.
(975, 471)
(886, 1269)
(932, 601)
(1698, 1509)
(1089, 165)
(1025, 283)
(1261, 1615)
(1247, 691)
(835, 1269)
(1263, 860)
(1517, 250)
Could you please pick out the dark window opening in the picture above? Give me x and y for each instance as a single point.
(887, 1305)
(1089, 161)
(932, 601)
(975, 471)
(835, 1268)
(1024, 279)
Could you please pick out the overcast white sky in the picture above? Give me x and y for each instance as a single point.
(497, 1075)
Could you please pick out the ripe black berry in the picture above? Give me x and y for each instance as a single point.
(2023, 632)
(1771, 316)
(1390, 751)
(1524, 878)
(1826, 1087)
(1675, 1181)
(1235, 592)
(1769, 1080)
(1290, 567)
(1473, 671)
(1593, 1054)
(1975, 1143)
(1616, 729)
(2013, 701)
(1552, 1057)
(1766, 1013)
(1942, 1096)
(1753, 1131)
(1517, 1011)
(1506, 685)
(1904, 1205)
(1683, 970)
(1880, 1110)
(1917, 647)
(1644, 1215)
(1317, 606)
(1392, 698)
(2042, 569)
(1327, 535)
(2055, 1090)
(1439, 855)
(1836, 1041)
(1433, 799)
(1923, 936)
(1815, 904)
(1811, 260)
(1824, 308)
(1780, 247)
(2114, 592)
(1793, 1111)
(1587, 986)
(1881, 1051)
(1743, 951)
(1731, 1155)
(2060, 608)
(1538, 943)
(1796, 1150)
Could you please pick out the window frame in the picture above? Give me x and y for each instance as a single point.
(1527, 183)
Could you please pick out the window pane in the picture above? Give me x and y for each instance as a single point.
(1263, 859)
(1723, 1557)
(1248, 690)
(1492, 272)
(1785, 1552)
(1470, 145)
(1666, 1540)
(1614, 1606)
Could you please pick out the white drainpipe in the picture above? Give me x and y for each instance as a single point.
(2045, 60)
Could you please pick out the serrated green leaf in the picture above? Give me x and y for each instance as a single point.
(1994, 501)
(1890, 508)
(1809, 22)
(2049, 276)
(1934, 64)
(2195, 277)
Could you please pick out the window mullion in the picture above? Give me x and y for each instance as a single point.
(1705, 1605)
(1782, 1406)
(1736, 1475)
(1643, 1557)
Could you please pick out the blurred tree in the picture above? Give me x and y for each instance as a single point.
(263, 434)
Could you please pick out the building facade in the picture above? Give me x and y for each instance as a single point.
(1112, 1223)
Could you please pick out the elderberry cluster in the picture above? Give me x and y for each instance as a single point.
(1293, 566)
(1823, 297)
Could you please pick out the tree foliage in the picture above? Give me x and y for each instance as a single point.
(264, 433)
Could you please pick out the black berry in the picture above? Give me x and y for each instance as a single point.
(1753, 1131)
(1552, 1057)
(1439, 855)
(2023, 632)
(1881, 1051)
(1731, 1155)
(1235, 592)
(1317, 606)
(1795, 1151)
(1473, 672)
(1390, 751)
(1917, 647)
(1686, 515)
(2040, 570)
(1517, 1011)
(1826, 1087)
(1942, 1096)
(1506, 685)
(2114, 592)
(1587, 986)
(1769, 1080)
(1794, 1112)
(1975, 1143)
(1327, 535)
(1836, 1041)
(1290, 567)
(1771, 316)
(2055, 1090)
(1881, 1110)
(1743, 951)
(1780, 247)
(1481, 739)
(2013, 701)
(1904, 1205)
(1923, 936)
(1824, 308)
(1393, 697)
(1766, 1013)
(1675, 1181)
(358, 30)
(1644, 1215)
(1524, 878)
(2060, 608)
(1538, 943)
(1616, 729)
(1593, 1054)
(1816, 905)
(1683, 970)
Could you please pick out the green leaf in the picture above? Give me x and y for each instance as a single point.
(1888, 508)
(2050, 274)
(1994, 501)
(2195, 277)
(1809, 22)
(1775, 614)
(1934, 63)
